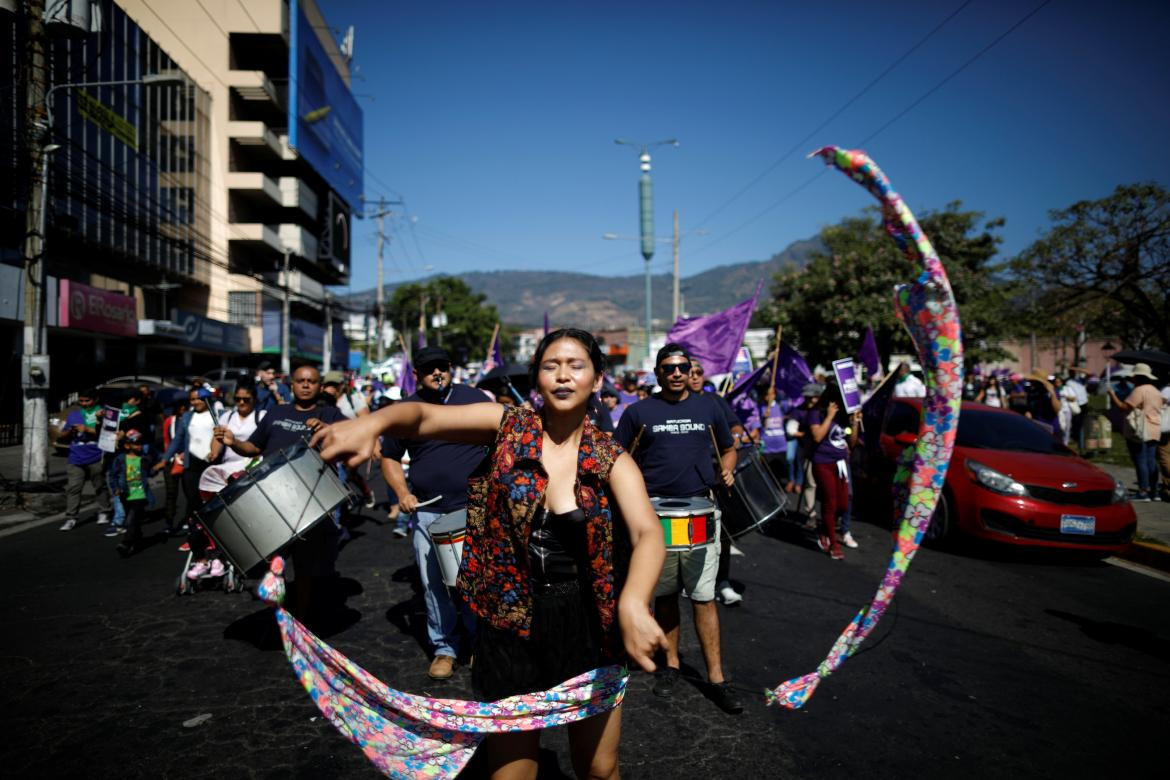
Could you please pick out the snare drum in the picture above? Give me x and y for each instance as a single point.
(447, 534)
(755, 498)
(271, 505)
(687, 522)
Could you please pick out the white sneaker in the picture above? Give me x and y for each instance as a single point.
(216, 568)
(69, 524)
(103, 518)
(736, 551)
(728, 596)
(400, 532)
(371, 502)
(849, 541)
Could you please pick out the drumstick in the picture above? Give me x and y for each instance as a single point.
(429, 501)
(638, 438)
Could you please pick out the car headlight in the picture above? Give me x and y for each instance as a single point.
(1120, 493)
(995, 481)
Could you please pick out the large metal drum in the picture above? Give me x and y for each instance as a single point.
(447, 534)
(755, 498)
(271, 505)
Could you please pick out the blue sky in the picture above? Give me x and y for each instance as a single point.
(495, 122)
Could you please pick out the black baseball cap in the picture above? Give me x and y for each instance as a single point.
(672, 350)
(264, 365)
(429, 356)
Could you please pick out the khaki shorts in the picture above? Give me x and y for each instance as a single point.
(692, 571)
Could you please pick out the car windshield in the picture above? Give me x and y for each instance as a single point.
(985, 430)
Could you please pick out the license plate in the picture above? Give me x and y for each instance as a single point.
(1078, 524)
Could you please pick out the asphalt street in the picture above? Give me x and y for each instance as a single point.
(986, 665)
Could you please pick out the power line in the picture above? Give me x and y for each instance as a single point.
(914, 104)
(799, 145)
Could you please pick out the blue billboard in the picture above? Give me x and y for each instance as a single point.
(324, 120)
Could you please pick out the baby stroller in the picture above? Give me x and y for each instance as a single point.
(210, 569)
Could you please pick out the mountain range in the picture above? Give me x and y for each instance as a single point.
(597, 302)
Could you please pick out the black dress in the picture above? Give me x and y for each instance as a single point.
(565, 637)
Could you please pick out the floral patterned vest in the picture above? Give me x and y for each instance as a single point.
(502, 498)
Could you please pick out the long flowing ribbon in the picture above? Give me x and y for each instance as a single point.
(928, 311)
(409, 736)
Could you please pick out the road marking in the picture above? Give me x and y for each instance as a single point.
(1138, 568)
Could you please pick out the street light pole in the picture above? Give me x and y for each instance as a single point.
(674, 309)
(646, 217)
(285, 331)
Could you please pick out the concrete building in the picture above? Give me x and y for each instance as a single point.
(285, 160)
(194, 149)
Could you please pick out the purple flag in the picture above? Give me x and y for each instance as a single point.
(792, 372)
(868, 354)
(748, 381)
(714, 339)
(422, 339)
(406, 378)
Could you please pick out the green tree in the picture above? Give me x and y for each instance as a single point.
(826, 306)
(470, 319)
(1105, 264)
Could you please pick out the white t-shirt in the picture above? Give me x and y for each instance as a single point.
(199, 435)
(350, 404)
(241, 428)
(910, 386)
(992, 397)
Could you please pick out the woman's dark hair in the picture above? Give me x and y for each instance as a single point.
(584, 337)
(247, 388)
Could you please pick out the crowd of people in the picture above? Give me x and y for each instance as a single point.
(564, 565)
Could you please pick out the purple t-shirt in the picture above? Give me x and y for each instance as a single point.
(83, 448)
(834, 446)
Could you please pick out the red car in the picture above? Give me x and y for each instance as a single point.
(1009, 481)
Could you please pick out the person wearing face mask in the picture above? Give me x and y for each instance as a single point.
(80, 430)
(438, 478)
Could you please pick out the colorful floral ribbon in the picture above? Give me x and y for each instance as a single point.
(408, 736)
(927, 309)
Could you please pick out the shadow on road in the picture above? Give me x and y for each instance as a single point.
(1139, 639)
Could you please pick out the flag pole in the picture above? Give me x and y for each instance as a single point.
(402, 343)
(492, 342)
(776, 357)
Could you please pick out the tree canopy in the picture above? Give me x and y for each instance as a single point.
(1105, 265)
(470, 319)
(826, 306)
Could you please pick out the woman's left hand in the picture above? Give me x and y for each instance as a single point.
(641, 633)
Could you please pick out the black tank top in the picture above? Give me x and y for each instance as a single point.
(556, 544)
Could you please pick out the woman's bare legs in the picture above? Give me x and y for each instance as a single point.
(513, 756)
(593, 743)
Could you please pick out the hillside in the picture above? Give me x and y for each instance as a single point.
(593, 302)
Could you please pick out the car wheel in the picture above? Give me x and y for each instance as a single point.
(943, 524)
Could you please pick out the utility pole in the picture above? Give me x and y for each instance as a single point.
(422, 318)
(327, 356)
(380, 214)
(285, 330)
(35, 363)
(675, 307)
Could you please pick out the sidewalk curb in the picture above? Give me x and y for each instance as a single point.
(1156, 556)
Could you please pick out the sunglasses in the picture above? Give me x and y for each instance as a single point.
(430, 367)
(669, 369)
(242, 398)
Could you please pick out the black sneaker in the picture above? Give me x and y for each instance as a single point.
(725, 698)
(664, 680)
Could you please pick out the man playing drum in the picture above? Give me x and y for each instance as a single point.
(283, 426)
(669, 435)
(438, 474)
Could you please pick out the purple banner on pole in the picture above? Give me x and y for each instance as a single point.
(406, 378)
(868, 354)
(847, 381)
(714, 339)
(792, 373)
(546, 323)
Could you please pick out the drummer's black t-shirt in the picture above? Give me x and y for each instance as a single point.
(439, 468)
(284, 426)
(675, 452)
